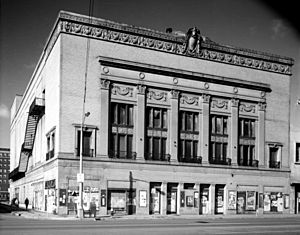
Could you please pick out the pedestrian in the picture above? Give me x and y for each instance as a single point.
(26, 202)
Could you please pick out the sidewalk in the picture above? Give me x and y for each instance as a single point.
(32, 214)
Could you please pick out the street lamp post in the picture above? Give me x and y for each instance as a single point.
(80, 176)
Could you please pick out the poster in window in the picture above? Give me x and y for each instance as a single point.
(274, 202)
(189, 201)
(286, 201)
(220, 200)
(279, 202)
(231, 200)
(143, 198)
(250, 201)
(267, 202)
(182, 196)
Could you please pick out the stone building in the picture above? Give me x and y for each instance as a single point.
(171, 124)
(4, 173)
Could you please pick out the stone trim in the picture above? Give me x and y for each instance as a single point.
(135, 36)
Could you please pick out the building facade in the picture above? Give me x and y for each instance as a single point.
(171, 124)
(4, 174)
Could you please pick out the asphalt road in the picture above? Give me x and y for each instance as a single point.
(13, 225)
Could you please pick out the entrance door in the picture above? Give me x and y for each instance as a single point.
(204, 199)
(155, 189)
(241, 202)
(172, 199)
(219, 202)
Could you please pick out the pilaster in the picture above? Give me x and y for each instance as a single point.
(234, 131)
(263, 160)
(205, 128)
(163, 195)
(174, 125)
(104, 116)
(212, 198)
(140, 122)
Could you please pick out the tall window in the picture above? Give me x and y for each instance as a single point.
(218, 140)
(86, 143)
(246, 155)
(50, 145)
(274, 155)
(156, 134)
(297, 152)
(189, 134)
(121, 131)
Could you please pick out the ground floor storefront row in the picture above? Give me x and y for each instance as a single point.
(160, 190)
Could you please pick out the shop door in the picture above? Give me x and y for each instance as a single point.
(204, 197)
(219, 202)
(155, 200)
(172, 202)
(241, 202)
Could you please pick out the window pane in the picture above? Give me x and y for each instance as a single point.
(163, 146)
(219, 125)
(241, 127)
(252, 128)
(273, 154)
(225, 125)
(157, 118)
(245, 154)
(53, 141)
(218, 151)
(297, 152)
(129, 145)
(86, 143)
(149, 145)
(189, 122)
(196, 123)
(188, 149)
(156, 149)
(48, 143)
(122, 114)
(149, 117)
(246, 128)
(195, 149)
(224, 151)
(213, 129)
(122, 146)
(182, 114)
(130, 115)
(181, 147)
(165, 123)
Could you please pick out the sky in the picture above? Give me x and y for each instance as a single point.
(263, 25)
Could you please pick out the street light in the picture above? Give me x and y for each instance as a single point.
(80, 176)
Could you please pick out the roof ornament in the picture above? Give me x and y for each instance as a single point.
(192, 41)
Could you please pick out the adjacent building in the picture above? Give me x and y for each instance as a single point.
(4, 173)
(169, 124)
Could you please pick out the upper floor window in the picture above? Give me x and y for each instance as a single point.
(157, 118)
(189, 121)
(297, 152)
(218, 140)
(274, 155)
(88, 143)
(246, 153)
(50, 144)
(122, 114)
(121, 141)
(219, 125)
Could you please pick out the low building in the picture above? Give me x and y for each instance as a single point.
(4, 173)
(168, 124)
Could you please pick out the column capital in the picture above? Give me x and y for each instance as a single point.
(206, 98)
(141, 89)
(174, 94)
(262, 106)
(235, 102)
(105, 84)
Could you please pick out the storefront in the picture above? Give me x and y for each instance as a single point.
(50, 196)
(38, 195)
(122, 201)
(219, 199)
(246, 199)
(273, 200)
(172, 198)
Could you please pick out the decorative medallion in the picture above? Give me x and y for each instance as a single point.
(142, 75)
(106, 70)
(206, 85)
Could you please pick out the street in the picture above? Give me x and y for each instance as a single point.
(13, 225)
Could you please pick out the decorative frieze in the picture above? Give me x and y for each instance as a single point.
(190, 46)
(157, 95)
(189, 100)
(219, 103)
(122, 90)
(247, 107)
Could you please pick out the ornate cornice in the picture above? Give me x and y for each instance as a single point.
(76, 24)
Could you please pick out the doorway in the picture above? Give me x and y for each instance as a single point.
(172, 198)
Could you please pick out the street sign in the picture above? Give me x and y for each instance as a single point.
(80, 178)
